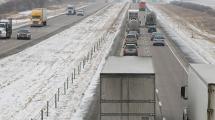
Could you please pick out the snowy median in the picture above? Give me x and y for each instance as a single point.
(32, 77)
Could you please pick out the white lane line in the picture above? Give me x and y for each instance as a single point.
(171, 49)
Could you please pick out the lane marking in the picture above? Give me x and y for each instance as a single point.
(171, 49)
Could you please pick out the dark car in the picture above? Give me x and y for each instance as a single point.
(152, 29)
(24, 34)
(130, 50)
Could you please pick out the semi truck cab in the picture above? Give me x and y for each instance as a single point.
(6, 28)
(39, 17)
(71, 10)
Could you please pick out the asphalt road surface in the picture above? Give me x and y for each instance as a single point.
(54, 25)
(170, 76)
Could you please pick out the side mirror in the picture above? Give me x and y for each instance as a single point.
(184, 92)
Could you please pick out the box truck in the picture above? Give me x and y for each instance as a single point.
(133, 14)
(127, 89)
(39, 17)
(150, 19)
(200, 93)
(6, 28)
(142, 5)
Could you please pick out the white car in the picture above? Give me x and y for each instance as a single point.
(158, 41)
(80, 12)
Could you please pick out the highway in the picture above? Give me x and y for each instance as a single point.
(170, 75)
(54, 26)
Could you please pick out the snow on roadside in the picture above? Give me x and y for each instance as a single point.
(31, 77)
(210, 3)
(199, 49)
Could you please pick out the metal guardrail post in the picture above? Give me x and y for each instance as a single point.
(42, 114)
(58, 94)
(47, 107)
(55, 100)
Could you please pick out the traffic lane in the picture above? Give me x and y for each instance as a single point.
(55, 25)
(170, 76)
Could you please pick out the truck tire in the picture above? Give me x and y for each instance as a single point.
(44, 23)
(185, 118)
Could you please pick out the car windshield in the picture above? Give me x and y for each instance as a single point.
(80, 10)
(132, 32)
(159, 37)
(35, 17)
(130, 36)
(70, 8)
(2, 25)
(130, 46)
(24, 31)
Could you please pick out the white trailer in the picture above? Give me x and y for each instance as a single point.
(127, 89)
(201, 93)
(133, 14)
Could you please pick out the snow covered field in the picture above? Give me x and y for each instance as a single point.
(210, 3)
(31, 77)
(3, 1)
(199, 49)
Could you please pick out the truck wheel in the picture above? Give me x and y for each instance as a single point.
(44, 23)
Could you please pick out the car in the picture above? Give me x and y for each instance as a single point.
(155, 34)
(24, 34)
(80, 12)
(134, 32)
(130, 50)
(131, 38)
(152, 29)
(159, 40)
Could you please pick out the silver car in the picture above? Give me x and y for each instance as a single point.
(158, 40)
(134, 33)
(80, 12)
(24, 34)
(131, 38)
(130, 50)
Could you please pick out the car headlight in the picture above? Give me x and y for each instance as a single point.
(3, 32)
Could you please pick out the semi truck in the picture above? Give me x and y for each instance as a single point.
(142, 5)
(150, 19)
(127, 89)
(71, 10)
(39, 17)
(6, 28)
(200, 93)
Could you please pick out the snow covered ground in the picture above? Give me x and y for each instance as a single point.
(210, 3)
(31, 77)
(199, 49)
(3, 1)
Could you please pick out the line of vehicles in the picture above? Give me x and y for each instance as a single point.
(133, 30)
(39, 18)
